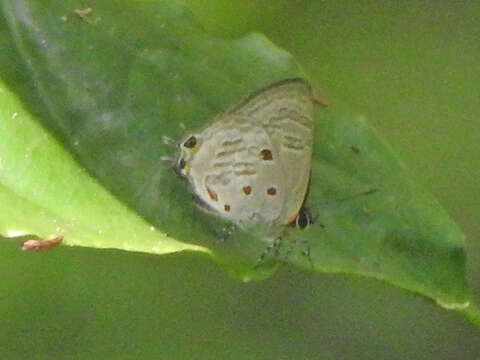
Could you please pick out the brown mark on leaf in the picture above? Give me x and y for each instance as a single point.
(319, 99)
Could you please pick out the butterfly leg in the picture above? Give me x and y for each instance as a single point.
(224, 233)
(307, 254)
(274, 246)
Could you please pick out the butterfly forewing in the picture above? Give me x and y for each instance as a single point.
(285, 111)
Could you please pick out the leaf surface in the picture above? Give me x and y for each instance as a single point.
(109, 84)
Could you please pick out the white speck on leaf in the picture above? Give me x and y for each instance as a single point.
(166, 158)
(168, 141)
(453, 306)
(15, 233)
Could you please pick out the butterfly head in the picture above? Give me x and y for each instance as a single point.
(188, 148)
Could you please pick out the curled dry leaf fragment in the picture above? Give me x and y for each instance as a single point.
(41, 244)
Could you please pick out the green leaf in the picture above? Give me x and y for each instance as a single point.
(44, 191)
(109, 84)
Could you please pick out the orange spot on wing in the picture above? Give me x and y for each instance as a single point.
(292, 218)
(271, 191)
(266, 154)
(212, 194)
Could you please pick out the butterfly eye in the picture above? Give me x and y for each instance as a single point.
(191, 142)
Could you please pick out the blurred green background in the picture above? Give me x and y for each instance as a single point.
(412, 69)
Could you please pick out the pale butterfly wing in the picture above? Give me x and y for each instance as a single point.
(285, 110)
(252, 164)
(226, 173)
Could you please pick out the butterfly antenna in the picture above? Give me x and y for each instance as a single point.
(166, 158)
(365, 193)
(168, 141)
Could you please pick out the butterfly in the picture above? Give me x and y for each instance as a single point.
(252, 163)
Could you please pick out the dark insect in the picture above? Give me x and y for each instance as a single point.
(303, 219)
